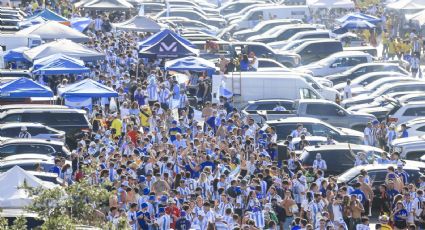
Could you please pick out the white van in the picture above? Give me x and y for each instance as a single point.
(248, 86)
(12, 41)
(252, 17)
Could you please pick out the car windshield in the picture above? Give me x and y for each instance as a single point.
(349, 174)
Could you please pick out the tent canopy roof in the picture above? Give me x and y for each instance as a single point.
(168, 47)
(49, 15)
(59, 64)
(107, 5)
(66, 47)
(161, 35)
(407, 5)
(52, 30)
(332, 4)
(87, 88)
(16, 54)
(139, 23)
(190, 63)
(24, 88)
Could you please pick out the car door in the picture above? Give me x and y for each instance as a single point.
(337, 161)
(412, 113)
(11, 132)
(328, 113)
(339, 65)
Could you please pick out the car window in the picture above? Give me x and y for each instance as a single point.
(268, 106)
(41, 149)
(377, 177)
(7, 150)
(36, 117)
(259, 50)
(284, 130)
(321, 130)
(38, 130)
(12, 117)
(308, 94)
(419, 111)
(263, 64)
(353, 61)
(322, 109)
(256, 15)
(421, 129)
(67, 118)
(11, 132)
(414, 155)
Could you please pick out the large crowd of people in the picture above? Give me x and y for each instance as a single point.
(172, 167)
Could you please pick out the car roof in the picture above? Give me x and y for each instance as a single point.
(28, 156)
(20, 124)
(412, 165)
(30, 106)
(30, 141)
(271, 100)
(297, 120)
(45, 110)
(340, 146)
(349, 53)
(314, 101)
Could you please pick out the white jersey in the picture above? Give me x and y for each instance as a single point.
(258, 218)
(164, 222)
(320, 164)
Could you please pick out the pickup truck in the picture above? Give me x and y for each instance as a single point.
(324, 110)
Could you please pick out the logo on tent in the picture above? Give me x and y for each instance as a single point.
(164, 47)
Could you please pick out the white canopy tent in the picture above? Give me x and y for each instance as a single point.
(107, 5)
(12, 195)
(52, 30)
(418, 17)
(408, 5)
(65, 47)
(331, 4)
(139, 23)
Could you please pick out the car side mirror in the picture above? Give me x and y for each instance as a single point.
(341, 113)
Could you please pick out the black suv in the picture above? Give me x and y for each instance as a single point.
(73, 121)
(12, 147)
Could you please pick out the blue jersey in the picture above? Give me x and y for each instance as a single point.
(360, 195)
(143, 223)
(399, 214)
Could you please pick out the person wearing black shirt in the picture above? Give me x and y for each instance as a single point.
(280, 212)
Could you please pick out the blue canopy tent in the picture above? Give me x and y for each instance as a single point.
(49, 15)
(48, 59)
(359, 16)
(80, 24)
(16, 54)
(152, 40)
(87, 88)
(24, 88)
(168, 47)
(357, 25)
(61, 66)
(191, 64)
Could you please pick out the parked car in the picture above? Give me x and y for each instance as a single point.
(324, 110)
(405, 112)
(383, 90)
(415, 127)
(338, 157)
(314, 34)
(4, 108)
(73, 121)
(337, 62)
(262, 27)
(315, 127)
(365, 68)
(234, 7)
(365, 79)
(371, 87)
(18, 146)
(36, 130)
(316, 50)
(410, 148)
(283, 34)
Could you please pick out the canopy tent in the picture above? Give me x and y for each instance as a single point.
(331, 4)
(139, 23)
(107, 5)
(16, 54)
(407, 5)
(80, 24)
(30, 22)
(49, 15)
(87, 88)
(59, 64)
(418, 17)
(161, 35)
(190, 63)
(24, 88)
(358, 16)
(65, 47)
(357, 25)
(52, 30)
(168, 47)
(11, 193)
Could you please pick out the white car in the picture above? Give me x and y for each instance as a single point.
(37, 130)
(337, 62)
(366, 79)
(410, 148)
(407, 112)
(378, 83)
(415, 127)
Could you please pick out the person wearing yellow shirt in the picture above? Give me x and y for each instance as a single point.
(385, 43)
(392, 51)
(398, 48)
(366, 35)
(145, 114)
(116, 125)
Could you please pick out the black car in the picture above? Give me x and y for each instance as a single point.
(73, 121)
(365, 68)
(312, 51)
(12, 147)
(378, 172)
(338, 157)
(315, 127)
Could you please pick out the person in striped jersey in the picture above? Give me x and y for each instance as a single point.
(163, 222)
(258, 216)
(224, 205)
